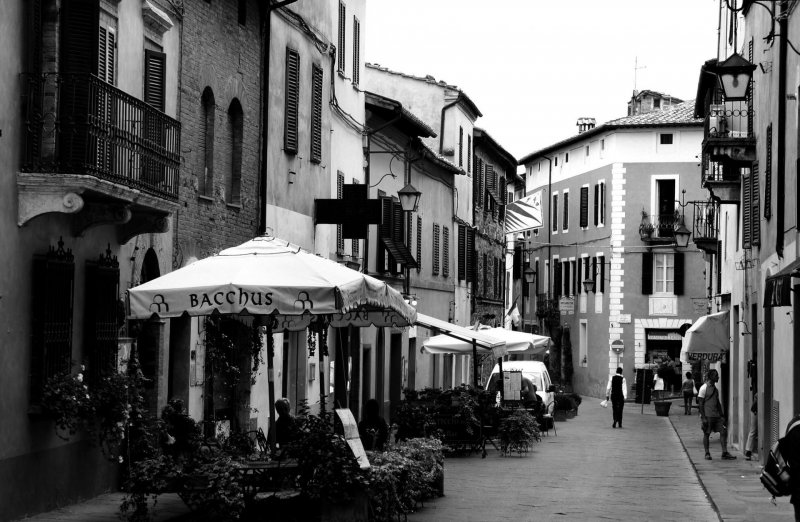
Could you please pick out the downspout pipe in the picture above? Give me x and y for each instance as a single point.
(783, 29)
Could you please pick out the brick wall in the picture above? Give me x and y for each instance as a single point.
(223, 55)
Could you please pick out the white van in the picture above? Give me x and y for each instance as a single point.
(536, 371)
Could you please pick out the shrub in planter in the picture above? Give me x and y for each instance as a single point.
(517, 432)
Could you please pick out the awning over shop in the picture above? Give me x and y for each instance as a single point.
(524, 214)
(708, 339)
(778, 287)
(461, 337)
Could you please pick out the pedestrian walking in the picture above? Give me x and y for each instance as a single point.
(752, 435)
(712, 415)
(658, 386)
(688, 393)
(617, 392)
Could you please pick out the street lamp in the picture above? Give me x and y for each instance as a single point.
(682, 233)
(409, 198)
(734, 75)
(528, 275)
(588, 285)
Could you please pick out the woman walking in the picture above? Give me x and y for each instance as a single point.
(688, 393)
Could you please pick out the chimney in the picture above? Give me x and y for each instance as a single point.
(585, 124)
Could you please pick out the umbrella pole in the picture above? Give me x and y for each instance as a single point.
(502, 379)
(321, 381)
(271, 384)
(474, 363)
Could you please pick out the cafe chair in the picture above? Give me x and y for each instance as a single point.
(546, 420)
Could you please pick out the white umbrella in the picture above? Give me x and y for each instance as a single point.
(268, 276)
(515, 342)
(707, 339)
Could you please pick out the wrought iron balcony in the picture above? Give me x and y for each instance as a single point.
(705, 226)
(660, 230)
(79, 124)
(728, 145)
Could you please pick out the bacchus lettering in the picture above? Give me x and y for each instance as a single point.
(231, 297)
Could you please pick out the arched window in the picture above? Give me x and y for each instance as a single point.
(206, 181)
(236, 123)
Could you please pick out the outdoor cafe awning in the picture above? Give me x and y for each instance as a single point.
(458, 336)
(708, 339)
(778, 287)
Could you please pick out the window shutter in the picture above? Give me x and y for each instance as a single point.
(596, 204)
(602, 203)
(767, 183)
(462, 252)
(584, 207)
(525, 286)
(755, 230)
(647, 273)
(566, 211)
(435, 249)
(556, 279)
(340, 50)
(339, 194)
(747, 218)
(476, 186)
(100, 317)
(602, 276)
(419, 244)
(678, 256)
(469, 152)
(384, 230)
(491, 181)
(446, 251)
(472, 257)
(594, 274)
(79, 22)
(554, 212)
(155, 66)
(461, 146)
(579, 276)
(537, 278)
(316, 113)
(356, 51)
(397, 234)
(516, 270)
(291, 103)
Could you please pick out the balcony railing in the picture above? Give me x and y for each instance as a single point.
(705, 225)
(79, 124)
(728, 119)
(662, 229)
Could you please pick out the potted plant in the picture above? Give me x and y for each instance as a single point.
(646, 228)
(517, 432)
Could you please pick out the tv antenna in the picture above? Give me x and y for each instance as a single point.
(636, 68)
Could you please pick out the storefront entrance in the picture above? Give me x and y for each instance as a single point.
(664, 348)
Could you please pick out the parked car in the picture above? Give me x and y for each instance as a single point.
(536, 371)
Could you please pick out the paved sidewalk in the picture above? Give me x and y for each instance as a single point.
(733, 486)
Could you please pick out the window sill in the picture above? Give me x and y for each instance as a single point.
(234, 206)
(205, 199)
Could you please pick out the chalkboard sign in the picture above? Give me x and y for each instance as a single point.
(643, 385)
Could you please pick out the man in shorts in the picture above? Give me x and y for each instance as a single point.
(711, 414)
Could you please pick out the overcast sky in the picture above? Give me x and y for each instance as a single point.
(533, 67)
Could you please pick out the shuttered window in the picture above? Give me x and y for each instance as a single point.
(435, 260)
(747, 216)
(481, 182)
(340, 50)
(155, 67)
(419, 244)
(291, 102)
(579, 276)
(679, 272)
(584, 207)
(485, 271)
(556, 279)
(316, 113)
(755, 231)
(554, 213)
(339, 194)
(461, 146)
(461, 270)
(600, 203)
(647, 273)
(106, 51)
(472, 257)
(445, 251)
(384, 230)
(476, 186)
(767, 181)
(356, 51)
(469, 152)
(602, 274)
(565, 225)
